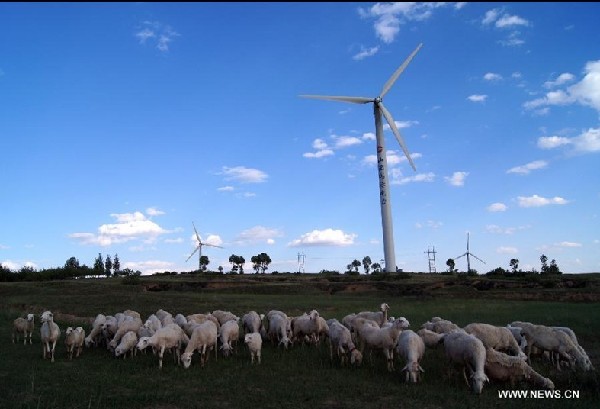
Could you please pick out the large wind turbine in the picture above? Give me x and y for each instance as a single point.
(384, 190)
(199, 247)
(468, 254)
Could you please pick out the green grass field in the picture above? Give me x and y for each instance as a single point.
(302, 377)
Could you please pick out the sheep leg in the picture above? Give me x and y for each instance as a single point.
(161, 351)
(53, 347)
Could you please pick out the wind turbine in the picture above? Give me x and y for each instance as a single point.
(384, 190)
(199, 247)
(468, 254)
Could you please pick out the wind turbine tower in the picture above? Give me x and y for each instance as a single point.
(384, 189)
(301, 259)
(469, 254)
(199, 247)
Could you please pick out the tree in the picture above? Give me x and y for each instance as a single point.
(116, 264)
(108, 265)
(450, 263)
(220, 269)
(376, 268)
(204, 261)
(98, 265)
(553, 268)
(356, 264)
(544, 261)
(237, 264)
(255, 263)
(263, 262)
(366, 262)
(72, 264)
(514, 264)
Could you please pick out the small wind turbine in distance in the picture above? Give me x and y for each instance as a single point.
(384, 190)
(469, 254)
(199, 247)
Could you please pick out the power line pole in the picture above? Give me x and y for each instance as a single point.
(301, 258)
(431, 259)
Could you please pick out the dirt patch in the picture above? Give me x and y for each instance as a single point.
(358, 288)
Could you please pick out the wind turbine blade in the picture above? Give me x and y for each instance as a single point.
(211, 245)
(194, 252)
(196, 231)
(353, 100)
(478, 258)
(390, 121)
(397, 73)
(456, 258)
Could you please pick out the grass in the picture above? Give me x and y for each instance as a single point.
(302, 377)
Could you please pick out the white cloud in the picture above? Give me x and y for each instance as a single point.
(398, 179)
(226, 189)
(568, 244)
(585, 92)
(149, 266)
(319, 154)
(460, 4)
(512, 40)
(492, 228)
(429, 223)
(538, 201)
(369, 136)
(490, 16)
(587, 142)
(507, 21)
(477, 98)
(327, 237)
(319, 144)
(3, 247)
(401, 124)
(365, 52)
(345, 141)
(244, 175)
(560, 80)
(176, 241)
(156, 32)
(525, 169)
(392, 156)
(516, 75)
(151, 211)
(491, 76)
(258, 234)
(457, 178)
(389, 16)
(507, 250)
(497, 207)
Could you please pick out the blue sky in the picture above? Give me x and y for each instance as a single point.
(122, 123)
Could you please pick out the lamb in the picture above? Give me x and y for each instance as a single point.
(411, 347)
(383, 338)
(23, 326)
(128, 324)
(252, 322)
(469, 352)
(168, 337)
(341, 339)
(128, 342)
(50, 334)
(430, 338)
(204, 338)
(502, 367)
(254, 342)
(153, 323)
(95, 335)
(498, 338)
(230, 333)
(380, 317)
(587, 363)
(74, 339)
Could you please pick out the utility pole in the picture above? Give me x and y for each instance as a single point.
(301, 258)
(431, 257)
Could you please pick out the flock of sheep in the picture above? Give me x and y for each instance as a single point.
(485, 352)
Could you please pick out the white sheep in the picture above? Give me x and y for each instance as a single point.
(203, 339)
(430, 338)
(341, 339)
(380, 317)
(411, 347)
(180, 320)
(169, 337)
(95, 335)
(254, 342)
(128, 343)
(50, 334)
(384, 339)
(587, 363)
(224, 316)
(128, 324)
(74, 338)
(23, 326)
(153, 323)
(498, 338)
(306, 325)
(440, 326)
(230, 333)
(252, 322)
(278, 328)
(517, 332)
(502, 367)
(194, 319)
(469, 352)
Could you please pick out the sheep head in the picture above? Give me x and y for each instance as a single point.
(186, 359)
